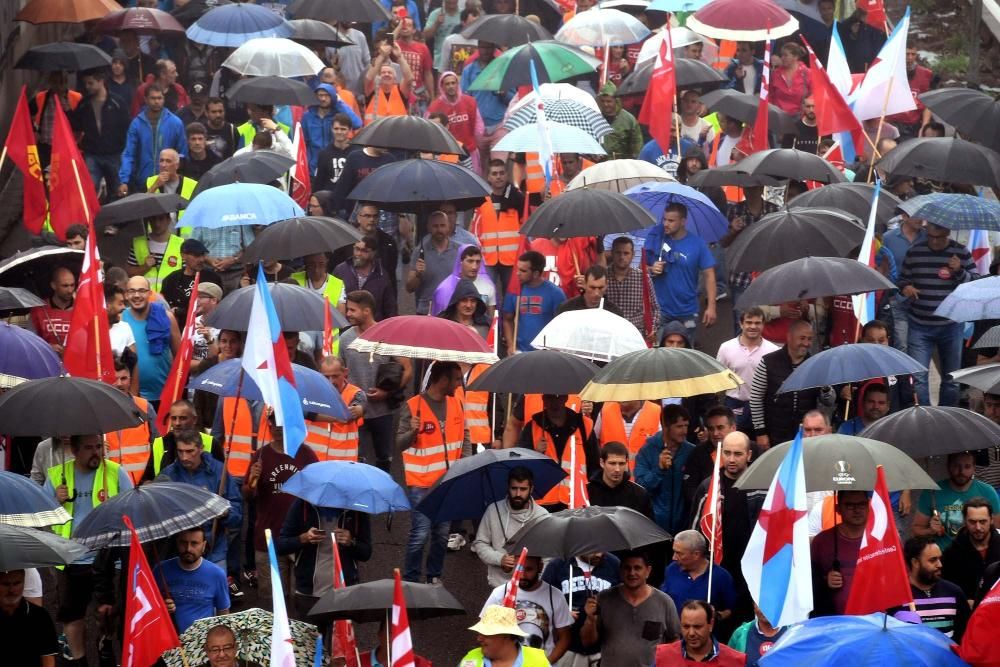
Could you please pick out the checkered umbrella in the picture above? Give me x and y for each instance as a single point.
(565, 111)
(955, 211)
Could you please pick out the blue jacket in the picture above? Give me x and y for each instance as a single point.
(141, 157)
(207, 477)
(733, 82)
(318, 130)
(664, 486)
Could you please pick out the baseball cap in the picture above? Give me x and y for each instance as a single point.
(193, 247)
(210, 289)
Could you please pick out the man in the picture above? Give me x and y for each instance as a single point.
(138, 65)
(176, 286)
(366, 217)
(418, 57)
(458, 233)
(718, 422)
(628, 422)
(536, 303)
(357, 166)
(686, 577)
(331, 158)
(745, 72)
(595, 284)
(940, 603)
(742, 355)
(199, 158)
(433, 260)
(835, 554)
(492, 104)
(613, 488)
(170, 181)
(317, 122)
(120, 332)
(194, 112)
(76, 237)
(629, 620)
(804, 135)
(501, 521)
(499, 638)
(332, 439)
(460, 111)
(366, 271)
(103, 119)
(988, 461)
(192, 587)
(455, 47)
(175, 97)
(156, 253)
(898, 241)
(697, 645)
(498, 227)
(220, 137)
(659, 468)
(130, 447)
(939, 513)
(470, 262)
(933, 268)
(26, 629)
(975, 547)
(389, 83)
(431, 436)
(262, 121)
(157, 337)
(625, 140)
(921, 80)
(225, 251)
(441, 22)
(153, 127)
(181, 417)
(629, 287)
(51, 321)
(899, 387)
(221, 647)
(874, 399)
(316, 278)
(692, 125)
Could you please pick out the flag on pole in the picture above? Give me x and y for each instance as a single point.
(545, 154)
(282, 646)
(72, 196)
(344, 643)
(880, 577)
(833, 114)
(657, 105)
(402, 643)
(759, 138)
(874, 13)
(174, 387)
(577, 482)
(510, 599)
(864, 304)
(836, 65)
(22, 147)
(523, 246)
(301, 184)
(886, 88)
(776, 563)
(711, 511)
(149, 631)
(982, 251)
(493, 337)
(330, 332)
(265, 360)
(88, 344)
(647, 301)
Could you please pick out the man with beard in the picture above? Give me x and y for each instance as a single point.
(940, 603)
(157, 337)
(976, 547)
(129, 447)
(221, 137)
(122, 338)
(939, 513)
(192, 587)
(804, 136)
(177, 286)
(51, 321)
(366, 271)
(874, 406)
(366, 218)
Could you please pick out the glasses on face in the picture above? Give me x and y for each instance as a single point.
(368, 216)
(216, 650)
(136, 292)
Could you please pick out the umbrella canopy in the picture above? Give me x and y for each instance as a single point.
(506, 30)
(972, 112)
(421, 185)
(595, 334)
(65, 11)
(743, 20)
(298, 237)
(931, 430)
(18, 298)
(586, 212)
(318, 32)
(254, 167)
(141, 20)
(24, 503)
(743, 107)
(850, 363)
(536, 372)
(703, 218)
(347, 485)
(252, 629)
(570, 533)
(976, 300)
(562, 138)
(157, 510)
(790, 163)
(989, 339)
(33, 268)
(333, 11)
(64, 56)
(235, 24)
(138, 206)
(985, 377)
(637, 5)
(658, 373)
(854, 198)
(679, 37)
(565, 111)
(955, 211)
(25, 356)
(946, 159)
(240, 204)
(273, 56)
(840, 463)
(271, 90)
(368, 602)
(811, 278)
(85, 407)
(22, 548)
(730, 175)
(690, 73)
(408, 133)
(675, 6)
(298, 308)
(787, 235)
(602, 27)
(420, 337)
(554, 61)
(618, 175)
(556, 91)
(472, 484)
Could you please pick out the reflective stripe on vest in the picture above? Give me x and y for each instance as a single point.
(332, 290)
(560, 492)
(533, 404)
(186, 191)
(244, 435)
(170, 262)
(499, 234)
(379, 107)
(206, 446)
(63, 474)
(433, 451)
(644, 424)
(247, 132)
(130, 447)
(476, 406)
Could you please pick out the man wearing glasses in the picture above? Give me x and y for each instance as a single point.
(221, 647)
(157, 337)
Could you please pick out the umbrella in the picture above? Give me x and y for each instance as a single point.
(334, 11)
(22, 548)
(65, 11)
(850, 363)
(32, 268)
(675, 6)
(811, 278)
(259, 167)
(841, 463)
(743, 20)
(417, 186)
(556, 91)
(602, 27)
(690, 74)
(553, 60)
(536, 372)
(408, 133)
(271, 90)
(875, 640)
(25, 356)
(506, 30)
(585, 212)
(319, 32)
(235, 24)
(63, 56)
(703, 218)
(273, 56)
(976, 300)
(985, 377)
(783, 236)
(298, 309)
(314, 390)
(24, 503)
(657, 373)
(570, 533)
(157, 510)
(472, 484)
(252, 628)
(618, 175)
(565, 111)
(371, 601)
(973, 113)
(138, 206)
(989, 339)
(562, 138)
(240, 204)
(420, 337)
(931, 430)
(729, 175)
(298, 237)
(18, 298)
(347, 485)
(85, 407)
(790, 163)
(595, 334)
(638, 5)
(743, 107)
(679, 37)
(955, 211)
(946, 159)
(141, 20)
(854, 198)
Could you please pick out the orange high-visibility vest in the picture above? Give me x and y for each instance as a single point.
(829, 512)
(130, 447)
(379, 107)
(335, 441)
(499, 234)
(560, 492)
(534, 177)
(644, 424)
(244, 436)
(72, 97)
(437, 445)
(533, 404)
(734, 193)
(476, 405)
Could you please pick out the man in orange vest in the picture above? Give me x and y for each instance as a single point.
(431, 436)
(498, 223)
(628, 422)
(388, 92)
(330, 439)
(129, 447)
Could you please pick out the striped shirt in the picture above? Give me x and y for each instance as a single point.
(927, 270)
(943, 608)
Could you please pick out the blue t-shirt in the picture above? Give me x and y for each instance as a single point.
(758, 645)
(681, 587)
(538, 307)
(198, 593)
(677, 287)
(155, 369)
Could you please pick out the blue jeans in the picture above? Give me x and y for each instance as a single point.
(900, 321)
(921, 342)
(421, 530)
(106, 167)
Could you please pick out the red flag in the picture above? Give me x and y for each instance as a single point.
(880, 577)
(493, 337)
(71, 190)
(980, 647)
(22, 148)
(759, 139)
(510, 599)
(659, 99)
(344, 643)
(402, 642)
(328, 331)
(874, 13)
(148, 628)
(173, 388)
(711, 511)
(301, 187)
(833, 115)
(647, 299)
(88, 343)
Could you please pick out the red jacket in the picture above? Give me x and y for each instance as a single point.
(670, 655)
(463, 117)
(920, 82)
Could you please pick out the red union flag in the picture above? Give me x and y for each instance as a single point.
(88, 343)
(402, 642)
(874, 13)
(22, 148)
(148, 628)
(300, 187)
(711, 511)
(659, 100)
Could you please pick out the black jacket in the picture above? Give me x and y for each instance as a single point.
(962, 564)
(115, 119)
(783, 412)
(301, 517)
(627, 494)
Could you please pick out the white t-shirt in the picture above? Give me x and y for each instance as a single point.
(121, 337)
(487, 290)
(539, 613)
(32, 583)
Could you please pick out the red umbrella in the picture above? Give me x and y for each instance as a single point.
(143, 20)
(743, 20)
(423, 337)
(65, 11)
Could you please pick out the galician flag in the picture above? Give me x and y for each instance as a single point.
(545, 155)
(982, 251)
(886, 88)
(864, 304)
(282, 646)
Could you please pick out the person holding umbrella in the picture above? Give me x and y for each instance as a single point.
(492, 104)
(939, 513)
(51, 321)
(26, 629)
(835, 553)
(659, 468)
(156, 253)
(317, 122)
(387, 91)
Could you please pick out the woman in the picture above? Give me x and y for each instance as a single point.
(790, 83)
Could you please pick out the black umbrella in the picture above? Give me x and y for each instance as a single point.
(930, 430)
(743, 107)
(369, 602)
(138, 206)
(506, 30)
(786, 235)
(22, 548)
(973, 113)
(18, 298)
(271, 90)
(586, 212)
(340, 11)
(32, 269)
(536, 372)
(570, 533)
(991, 338)
(298, 237)
(690, 73)
(68, 56)
(855, 198)
(260, 167)
(985, 377)
(319, 32)
(812, 278)
(729, 175)
(419, 186)
(79, 407)
(298, 308)
(790, 163)
(946, 159)
(408, 133)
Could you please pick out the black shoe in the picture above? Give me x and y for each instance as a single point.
(234, 590)
(251, 577)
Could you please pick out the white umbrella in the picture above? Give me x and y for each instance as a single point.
(594, 334)
(273, 56)
(557, 91)
(618, 175)
(602, 27)
(564, 139)
(679, 38)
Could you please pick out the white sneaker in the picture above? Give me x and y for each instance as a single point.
(456, 541)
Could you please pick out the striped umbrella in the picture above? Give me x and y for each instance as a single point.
(24, 503)
(565, 111)
(658, 372)
(955, 211)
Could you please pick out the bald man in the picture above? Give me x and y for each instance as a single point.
(51, 321)
(157, 337)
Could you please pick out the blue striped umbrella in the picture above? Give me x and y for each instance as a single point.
(24, 503)
(236, 23)
(955, 211)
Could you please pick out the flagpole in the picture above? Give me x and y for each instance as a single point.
(717, 483)
(881, 118)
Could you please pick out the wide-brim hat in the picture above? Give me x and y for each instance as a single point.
(497, 620)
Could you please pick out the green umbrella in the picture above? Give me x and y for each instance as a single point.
(21, 548)
(660, 372)
(553, 60)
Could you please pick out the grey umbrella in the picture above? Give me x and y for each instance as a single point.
(569, 533)
(790, 163)
(930, 430)
(689, 73)
(947, 159)
(299, 309)
(989, 339)
(21, 548)
(855, 198)
(783, 236)
(18, 298)
(370, 601)
(812, 277)
(536, 372)
(973, 113)
(743, 107)
(841, 463)
(298, 237)
(586, 212)
(730, 175)
(985, 377)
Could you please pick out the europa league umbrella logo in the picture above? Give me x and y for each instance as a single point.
(842, 473)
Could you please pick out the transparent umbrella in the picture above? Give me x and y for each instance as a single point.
(273, 56)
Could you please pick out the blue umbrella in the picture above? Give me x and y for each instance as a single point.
(472, 484)
(703, 218)
(240, 204)
(564, 139)
(850, 363)
(955, 211)
(347, 485)
(24, 503)
(316, 392)
(25, 356)
(236, 23)
(976, 300)
(412, 186)
(860, 641)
